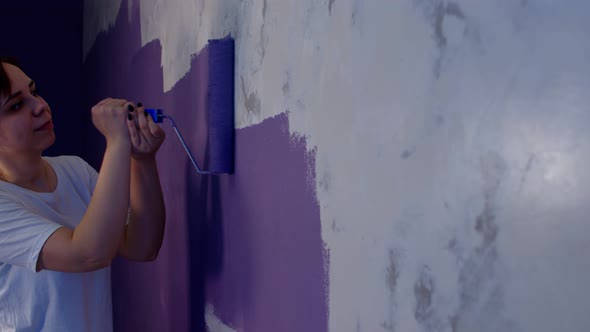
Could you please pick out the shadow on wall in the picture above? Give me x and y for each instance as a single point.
(205, 238)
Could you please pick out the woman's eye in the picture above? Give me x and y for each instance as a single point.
(16, 106)
(35, 92)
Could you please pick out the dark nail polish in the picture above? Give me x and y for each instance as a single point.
(146, 113)
(139, 104)
(130, 108)
(129, 116)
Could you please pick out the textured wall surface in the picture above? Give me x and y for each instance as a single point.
(400, 165)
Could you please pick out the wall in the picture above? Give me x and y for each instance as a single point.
(241, 250)
(400, 165)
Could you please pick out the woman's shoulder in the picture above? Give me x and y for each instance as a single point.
(69, 164)
(66, 160)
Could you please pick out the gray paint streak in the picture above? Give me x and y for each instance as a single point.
(252, 102)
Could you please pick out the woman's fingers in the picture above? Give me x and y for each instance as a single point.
(148, 128)
(133, 132)
(108, 116)
(102, 102)
(142, 123)
(145, 135)
(156, 131)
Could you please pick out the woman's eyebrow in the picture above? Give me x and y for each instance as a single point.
(12, 96)
(18, 93)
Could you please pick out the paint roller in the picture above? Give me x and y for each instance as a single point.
(220, 109)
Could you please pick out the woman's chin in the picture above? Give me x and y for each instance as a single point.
(50, 142)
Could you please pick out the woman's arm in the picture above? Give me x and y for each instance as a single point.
(95, 241)
(145, 231)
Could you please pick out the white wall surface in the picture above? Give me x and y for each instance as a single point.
(452, 146)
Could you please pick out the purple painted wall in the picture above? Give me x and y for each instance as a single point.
(249, 243)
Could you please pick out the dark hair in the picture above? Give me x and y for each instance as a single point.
(4, 81)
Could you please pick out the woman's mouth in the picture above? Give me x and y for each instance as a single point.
(46, 126)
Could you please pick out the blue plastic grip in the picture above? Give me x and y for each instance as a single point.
(156, 114)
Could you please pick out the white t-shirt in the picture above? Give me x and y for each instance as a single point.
(48, 300)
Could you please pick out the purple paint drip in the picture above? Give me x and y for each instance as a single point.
(249, 243)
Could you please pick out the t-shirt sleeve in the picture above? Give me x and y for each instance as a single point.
(92, 175)
(89, 173)
(22, 234)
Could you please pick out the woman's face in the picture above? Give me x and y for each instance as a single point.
(25, 117)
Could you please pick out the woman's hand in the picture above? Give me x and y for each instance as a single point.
(146, 135)
(108, 116)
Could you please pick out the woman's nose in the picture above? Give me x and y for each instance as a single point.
(39, 105)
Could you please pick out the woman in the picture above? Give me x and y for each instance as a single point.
(61, 223)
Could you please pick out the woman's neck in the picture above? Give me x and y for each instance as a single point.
(30, 172)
